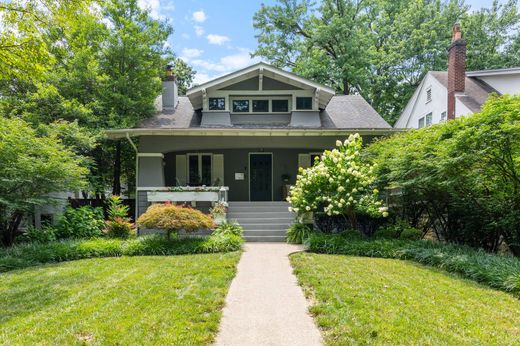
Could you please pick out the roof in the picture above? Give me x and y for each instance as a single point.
(475, 93)
(495, 72)
(342, 112)
(195, 94)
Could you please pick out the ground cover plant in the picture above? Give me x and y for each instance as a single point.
(497, 271)
(107, 301)
(31, 254)
(374, 301)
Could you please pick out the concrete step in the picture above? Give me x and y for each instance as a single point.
(271, 215)
(265, 204)
(267, 238)
(265, 225)
(264, 232)
(258, 208)
(257, 219)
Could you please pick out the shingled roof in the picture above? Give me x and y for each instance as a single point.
(342, 112)
(475, 94)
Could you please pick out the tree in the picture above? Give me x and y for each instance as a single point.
(381, 49)
(133, 60)
(184, 75)
(339, 183)
(31, 167)
(460, 179)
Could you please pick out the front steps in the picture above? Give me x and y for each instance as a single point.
(262, 221)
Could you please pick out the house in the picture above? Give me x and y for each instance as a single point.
(450, 94)
(241, 138)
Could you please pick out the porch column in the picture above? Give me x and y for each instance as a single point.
(150, 173)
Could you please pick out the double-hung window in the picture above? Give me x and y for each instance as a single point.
(199, 169)
(429, 119)
(421, 122)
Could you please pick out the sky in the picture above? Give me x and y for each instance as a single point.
(216, 37)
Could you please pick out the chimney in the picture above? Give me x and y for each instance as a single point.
(456, 68)
(169, 94)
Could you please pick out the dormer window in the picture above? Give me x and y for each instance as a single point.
(304, 103)
(280, 106)
(217, 103)
(241, 106)
(261, 106)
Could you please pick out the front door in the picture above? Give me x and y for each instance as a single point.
(260, 177)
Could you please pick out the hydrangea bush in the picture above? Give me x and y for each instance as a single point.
(338, 183)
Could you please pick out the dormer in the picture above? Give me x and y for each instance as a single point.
(260, 95)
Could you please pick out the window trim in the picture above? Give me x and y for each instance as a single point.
(304, 109)
(199, 155)
(216, 97)
(419, 122)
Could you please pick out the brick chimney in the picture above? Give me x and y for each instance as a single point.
(170, 92)
(456, 68)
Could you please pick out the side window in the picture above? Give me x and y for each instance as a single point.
(443, 116)
(304, 103)
(421, 122)
(199, 169)
(428, 119)
(217, 103)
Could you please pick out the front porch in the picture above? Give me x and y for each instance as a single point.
(248, 166)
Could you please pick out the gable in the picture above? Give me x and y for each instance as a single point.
(248, 84)
(273, 84)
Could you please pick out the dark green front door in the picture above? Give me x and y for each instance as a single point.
(260, 177)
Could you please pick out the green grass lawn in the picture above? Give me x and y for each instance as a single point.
(124, 301)
(373, 301)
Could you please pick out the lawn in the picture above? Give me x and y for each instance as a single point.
(124, 301)
(360, 300)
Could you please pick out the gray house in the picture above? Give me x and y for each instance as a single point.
(241, 138)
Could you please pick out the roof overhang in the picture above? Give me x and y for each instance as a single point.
(244, 132)
(497, 72)
(325, 93)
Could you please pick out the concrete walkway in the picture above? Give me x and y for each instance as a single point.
(265, 305)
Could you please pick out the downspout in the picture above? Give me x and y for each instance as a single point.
(136, 176)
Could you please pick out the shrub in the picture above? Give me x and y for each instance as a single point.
(298, 233)
(339, 183)
(352, 234)
(501, 272)
(84, 222)
(219, 209)
(229, 228)
(392, 231)
(459, 178)
(411, 234)
(116, 209)
(172, 218)
(119, 228)
(44, 234)
(29, 254)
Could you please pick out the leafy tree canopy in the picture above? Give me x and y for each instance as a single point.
(382, 49)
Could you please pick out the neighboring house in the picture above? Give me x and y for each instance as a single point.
(248, 132)
(447, 95)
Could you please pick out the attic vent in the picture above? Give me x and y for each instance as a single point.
(428, 95)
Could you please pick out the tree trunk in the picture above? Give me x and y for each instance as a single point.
(10, 228)
(346, 88)
(116, 186)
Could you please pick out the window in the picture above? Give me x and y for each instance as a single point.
(304, 103)
(428, 119)
(260, 105)
(421, 122)
(240, 106)
(428, 95)
(443, 116)
(199, 169)
(280, 106)
(217, 103)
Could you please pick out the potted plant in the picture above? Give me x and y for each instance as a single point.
(218, 212)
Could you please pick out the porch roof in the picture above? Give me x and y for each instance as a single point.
(249, 132)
